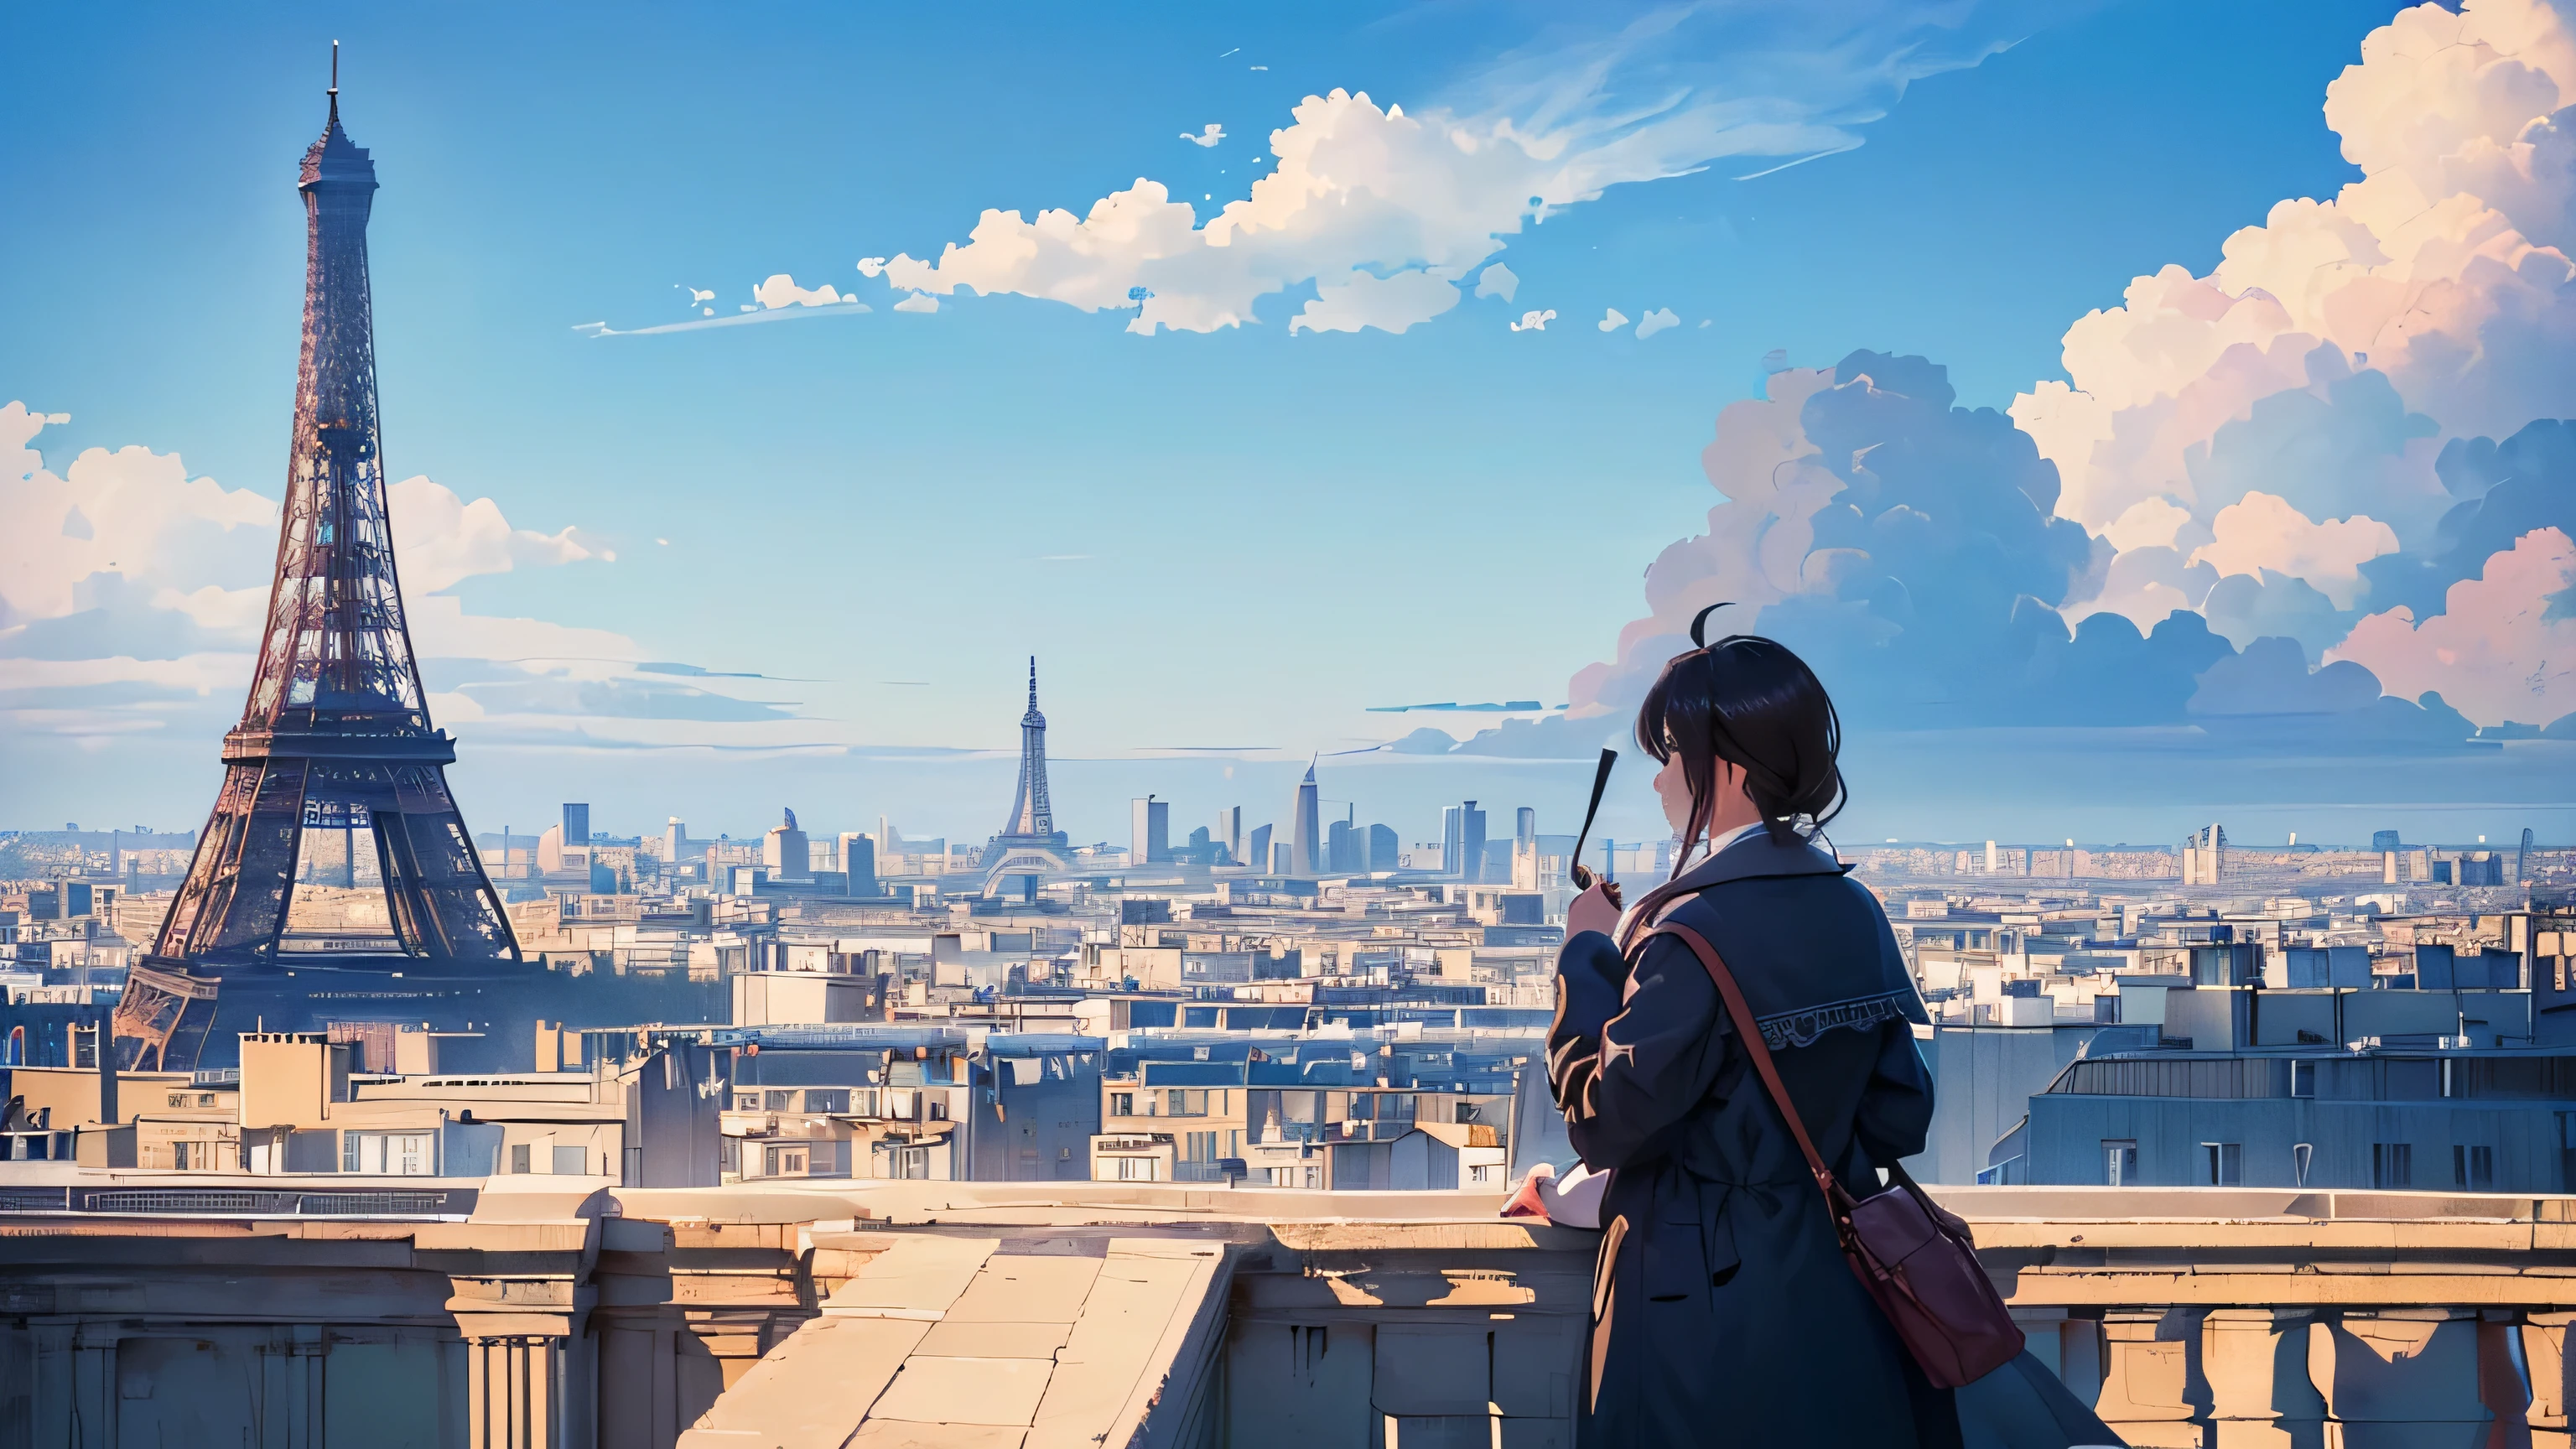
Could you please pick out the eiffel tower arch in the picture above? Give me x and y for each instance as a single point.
(335, 743)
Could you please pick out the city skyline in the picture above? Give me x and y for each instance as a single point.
(566, 642)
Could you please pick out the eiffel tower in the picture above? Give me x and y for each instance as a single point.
(1029, 846)
(335, 742)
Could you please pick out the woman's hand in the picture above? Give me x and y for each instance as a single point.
(1596, 909)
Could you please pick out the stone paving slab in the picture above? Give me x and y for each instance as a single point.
(999, 1391)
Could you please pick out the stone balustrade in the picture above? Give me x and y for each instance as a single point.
(567, 1313)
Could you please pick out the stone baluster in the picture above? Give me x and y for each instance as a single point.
(2553, 1379)
(2153, 1392)
(2256, 1361)
(291, 1369)
(529, 1368)
(93, 1385)
(514, 1392)
(2398, 1377)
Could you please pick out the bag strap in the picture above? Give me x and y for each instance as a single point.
(1750, 1033)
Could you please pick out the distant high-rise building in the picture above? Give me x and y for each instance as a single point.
(1283, 859)
(576, 824)
(2204, 856)
(859, 863)
(785, 851)
(1150, 830)
(1345, 849)
(1383, 849)
(1462, 841)
(1256, 848)
(1303, 826)
(1525, 825)
(675, 842)
(2384, 840)
(1229, 831)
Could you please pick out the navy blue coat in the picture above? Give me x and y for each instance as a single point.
(1724, 1311)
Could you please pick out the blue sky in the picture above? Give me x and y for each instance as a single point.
(1237, 537)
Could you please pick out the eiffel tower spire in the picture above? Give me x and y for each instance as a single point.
(1032, 814)
(336, 734)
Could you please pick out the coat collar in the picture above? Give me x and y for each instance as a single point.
(1753, 855)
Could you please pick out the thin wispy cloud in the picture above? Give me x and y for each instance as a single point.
(739, 319)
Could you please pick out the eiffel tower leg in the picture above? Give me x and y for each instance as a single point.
(234, 900)
(441, 899)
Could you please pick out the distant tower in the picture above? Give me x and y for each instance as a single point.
(2522, 859)
(1150, 831)
(858, 860)
(1029, 846)
(786, 850)
(1302, 826)
(1032, 814)
(336, 735)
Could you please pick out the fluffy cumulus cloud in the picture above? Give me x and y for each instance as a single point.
(2320, 498)
(2259, 532)
(2301, 443)
(1913, 551)
(445, 539)
(1382, 216)
(782, 291)
(2503, 647)
(132, 597)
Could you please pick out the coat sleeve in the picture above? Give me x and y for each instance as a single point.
(1895, 1113)
(1622, 1082)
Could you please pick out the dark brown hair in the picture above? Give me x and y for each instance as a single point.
(1748, 701)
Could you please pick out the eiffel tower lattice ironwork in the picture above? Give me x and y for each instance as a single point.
(336, 736)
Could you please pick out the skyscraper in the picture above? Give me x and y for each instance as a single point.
(336, 733)
(1302, 826)
(859, 863)
(1462, 841)
(786, 851)
(1229, 831)
(1150, 830)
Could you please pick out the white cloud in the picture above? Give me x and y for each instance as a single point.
(918, 302)
(871, 266)
(2498, 651)
(141, 516)
(1208, 137)
(440, 539)
(782, 291)
(153, 619)
(2260, 531)
(2441, 270)
(1656, 321)
(1385, 212)
(1535, 321)
(1612, 321)
(1497, 281)
(2147, 523)
(219, 610)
